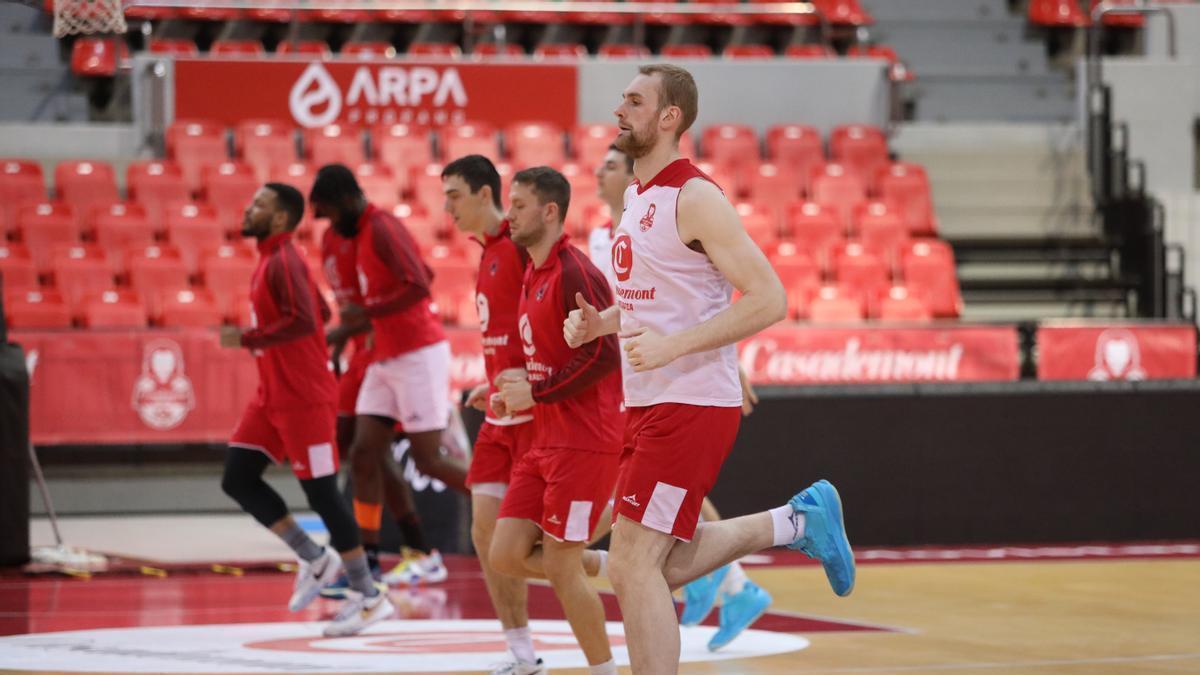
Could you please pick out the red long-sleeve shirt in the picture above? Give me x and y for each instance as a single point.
(497, 297)
(288, 339)
(395, 282)
(578, 391)
(339, 263)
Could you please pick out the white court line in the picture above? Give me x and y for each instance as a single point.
(989, 665)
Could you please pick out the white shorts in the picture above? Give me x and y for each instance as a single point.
(412, 388)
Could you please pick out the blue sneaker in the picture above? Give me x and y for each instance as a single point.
(739, 611)
(700, 596)
(825, 534)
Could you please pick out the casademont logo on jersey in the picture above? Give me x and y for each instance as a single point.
(379, 94)
(622, 262)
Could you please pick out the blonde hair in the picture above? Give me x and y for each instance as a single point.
(677, 88)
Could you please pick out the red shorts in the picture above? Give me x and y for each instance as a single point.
(497, 449)
(351, 381)
(672, 456)
(563, 491)
(303, 436)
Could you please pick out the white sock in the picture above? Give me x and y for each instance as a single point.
(789, 525)
(520, 642)
(609, 667)
(734, 581)
(603, 573)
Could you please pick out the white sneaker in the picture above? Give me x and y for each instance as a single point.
(515, 667)
(417, 568)
(311, 577)
(358, 613)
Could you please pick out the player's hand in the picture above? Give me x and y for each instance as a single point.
(581, 325)
(498, 407)
(478, 398)
(337, 338)
(517, 395)
(749, 397)
(231, 337)
(647, 350)
(509, 375)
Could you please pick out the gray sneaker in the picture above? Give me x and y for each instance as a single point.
(311, 577)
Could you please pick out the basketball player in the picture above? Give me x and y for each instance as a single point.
(472, 188)
(742, 601)
(408, 380)
(293, 416)
(561, 485)
(678, 252)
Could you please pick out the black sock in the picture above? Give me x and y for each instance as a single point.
(372, 551)
(414, 534)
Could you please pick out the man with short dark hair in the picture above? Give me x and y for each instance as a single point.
(292, 418)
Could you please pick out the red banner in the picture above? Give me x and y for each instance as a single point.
(809, 355)
(1116, 352)
(317, 93)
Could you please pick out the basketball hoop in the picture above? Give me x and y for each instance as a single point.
(88, 17)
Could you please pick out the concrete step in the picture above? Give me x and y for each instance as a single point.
(987, 96)
(37, 95)
(936, 10)
(950, 47)
(25, 50)
(979, 272)
(1009, 311)
(997, 194)
(1014, 222)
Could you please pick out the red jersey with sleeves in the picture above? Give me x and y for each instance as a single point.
(578, 391)
(338, 261)
(288, 337)
(497, 297)
(395, 285)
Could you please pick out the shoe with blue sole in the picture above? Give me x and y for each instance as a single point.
(339, 589)
(825, 534)
(739, 611)
(700, 596)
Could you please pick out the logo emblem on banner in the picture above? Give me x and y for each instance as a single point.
(163, 394)
(315, 89)
(622, 257)
(1118, 357)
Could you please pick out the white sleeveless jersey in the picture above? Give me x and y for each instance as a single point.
(663, 285)
(600, 251)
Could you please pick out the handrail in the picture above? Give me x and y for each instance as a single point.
(1094, 74)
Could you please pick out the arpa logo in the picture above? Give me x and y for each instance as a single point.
(622, 257)
(315, 100)
(388, 94)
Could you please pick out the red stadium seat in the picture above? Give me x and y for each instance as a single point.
(814, 228)
(1120, 20)
(800, 275)
(193, 229)
(583, 197)
(299, 175)
(453, 281)
(113, 309)
(734, 147)
(84, 183)
(844, 12)
(590, 142)
(861, 148)
(535, 144)
(21, 181)
(898, 71)
(378, 183)
(570, 50)
(119, 226)
(665, 18)
(493, 49)
(809, 52)
(784, 19)
(338, 15)
(237, 48)
(369, 50)
(832, 305)
(316, 48)
(173, 46)
(210, 13)
(796, 146)
(402, 148)
(623, 51)
(79, 271)
(721, 175)
(760, 223)
(154, 271)
(907, 187)
(36, 309)
(901, 305)
(266, 145)
(1057, 13)
(686, 51)
(43, 227)
(229, 187)
(196, 145)
(929, 269)
(862, 271)
(836, 187)
(748, 52)
(334, 144)
(774, 186)
(881, 228)
(17, 272)
(144, 13)
(189, 308)
(98, 56)
(428, 195)
(227, 273)
(155, 185)
(471, 138)
(444, 50)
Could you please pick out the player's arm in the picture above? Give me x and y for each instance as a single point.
(707, 217)
(411, 275)
(593, 360)
(290, 289)
(585, 322)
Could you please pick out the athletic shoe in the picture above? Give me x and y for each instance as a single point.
(515, 667)
(700, 596)
(311, 577)
(825, 534)
(338, 589)
(359, 613)
(738, 612)
(417, 568)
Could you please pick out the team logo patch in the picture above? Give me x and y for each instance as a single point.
(485, 313)
(622, 257)
(541, 293)
(647, 220)
(526, 330)
(163, 394)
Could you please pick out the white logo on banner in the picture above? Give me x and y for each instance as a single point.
(411, 646)
(325, 92)
(31, 361)
(162, 394)
(1118, 357)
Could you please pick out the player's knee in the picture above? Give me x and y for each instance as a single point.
(236, 486)
(562, 568)
(506, 559)
(622, 568)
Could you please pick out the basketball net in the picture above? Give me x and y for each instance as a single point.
(87, 17)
